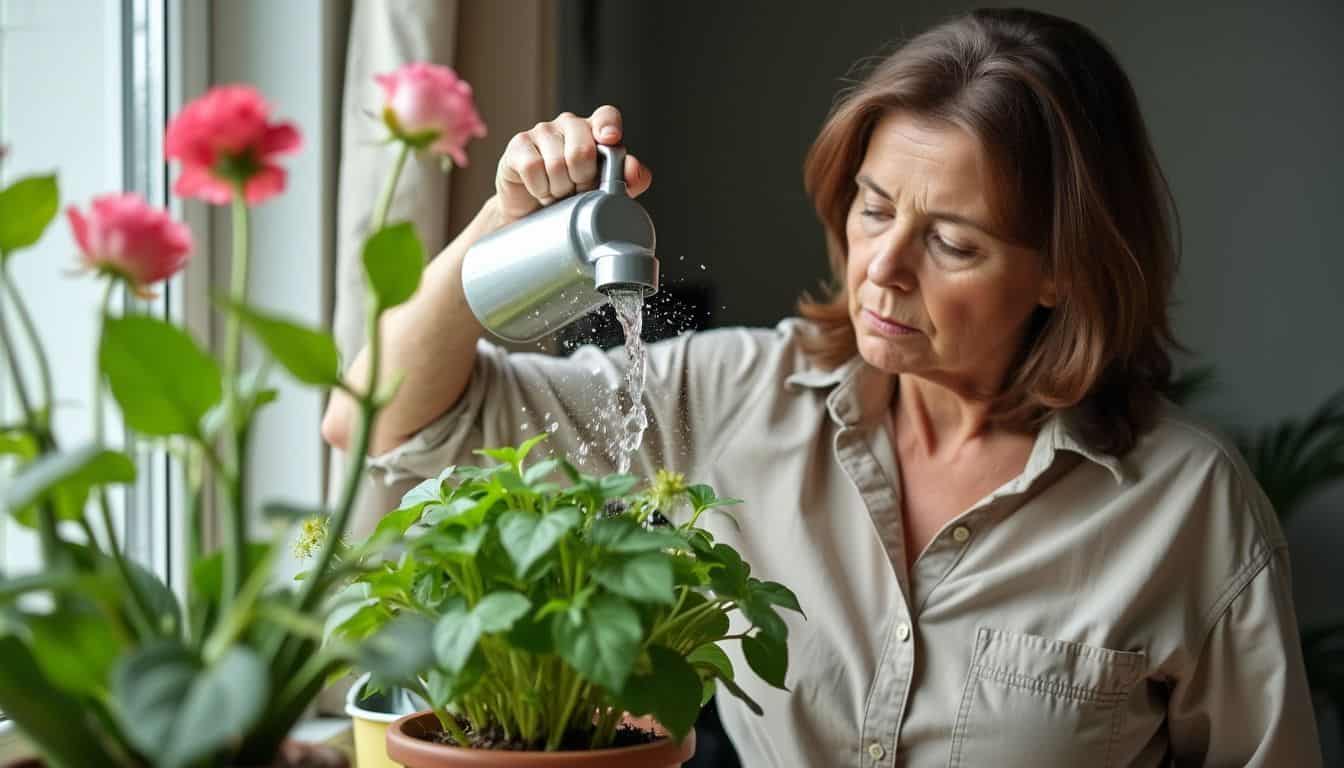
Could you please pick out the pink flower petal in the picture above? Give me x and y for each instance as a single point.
(265, 183)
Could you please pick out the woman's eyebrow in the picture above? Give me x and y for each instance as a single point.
(864, 180)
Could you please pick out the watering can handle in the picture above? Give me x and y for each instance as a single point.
(612, 171)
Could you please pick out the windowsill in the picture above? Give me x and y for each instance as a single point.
(334, 731)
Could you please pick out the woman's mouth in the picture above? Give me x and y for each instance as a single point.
(885, 326)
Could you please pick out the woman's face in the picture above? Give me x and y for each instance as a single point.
(933, 290)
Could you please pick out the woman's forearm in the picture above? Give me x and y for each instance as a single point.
(430, 341)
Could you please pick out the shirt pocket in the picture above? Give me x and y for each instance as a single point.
(1033, 701)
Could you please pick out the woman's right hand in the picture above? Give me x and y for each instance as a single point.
(558, 158)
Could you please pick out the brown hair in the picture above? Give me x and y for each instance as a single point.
(1077, 179)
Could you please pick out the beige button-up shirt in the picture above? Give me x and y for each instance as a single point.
(1094, 611)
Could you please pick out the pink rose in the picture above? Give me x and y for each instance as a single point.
(427, 105)
(225, 137)
(125, 236)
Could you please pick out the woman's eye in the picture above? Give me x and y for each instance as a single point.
(870, 213)
(952, 250)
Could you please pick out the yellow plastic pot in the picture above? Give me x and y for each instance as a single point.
(371, 717)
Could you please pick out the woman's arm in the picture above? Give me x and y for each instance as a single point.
(431, 340)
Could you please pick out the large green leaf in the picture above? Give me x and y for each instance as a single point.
(646, 578)
(621, 534)
(774, 593)
(52, 720)
(309, 354)
(176, 709)
(76, 647)
(670, 691)
(400, 651)
(761, 613)
(163, 381)
(528, 537)
(604, 643)
(393, 261)
(768, 657)
(26, 208)
(66, 479)
(17, 442)
(460, 629)
(712, 657)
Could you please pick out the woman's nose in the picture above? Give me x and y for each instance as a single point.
(893, 265)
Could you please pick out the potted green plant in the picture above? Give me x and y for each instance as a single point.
(541, 611)
(100, 665)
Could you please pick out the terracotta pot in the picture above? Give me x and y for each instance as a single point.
(408, 744)
(293, 754)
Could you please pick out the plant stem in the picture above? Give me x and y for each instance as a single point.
(26, 320)
(46, 527)
(384, 205)
(368, 410)
(235, 513)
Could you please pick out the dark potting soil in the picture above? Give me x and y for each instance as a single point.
(574, 741)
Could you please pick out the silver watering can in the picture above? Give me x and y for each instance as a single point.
(552, 267)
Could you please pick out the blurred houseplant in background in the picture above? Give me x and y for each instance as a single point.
(1293, 460)
(99, 664)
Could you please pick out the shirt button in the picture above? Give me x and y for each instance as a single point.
(876, 751)
(903, 634)
(961, 533)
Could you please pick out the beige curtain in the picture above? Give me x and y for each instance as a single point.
(505, 49)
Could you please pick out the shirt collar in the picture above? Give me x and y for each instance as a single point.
(862, 393)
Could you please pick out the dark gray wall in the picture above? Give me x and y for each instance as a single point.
(1244, 104)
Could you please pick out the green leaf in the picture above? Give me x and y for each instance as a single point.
(445, 687)
(774, 593)
(528, 538)
(621, 534)
(712, 656)
(171, 707)
(310, 355)
(459, 630)
(400, 651)
(604, 644)
(394, 525)
(76, 648)
(465, 512)
(768, 657)
(708, 687)
(393, 260)
(533, 633)
(616, 486)
(730, 578)
(762, 614)
(646, 578)
(15, 442)
(670, 691)
(159, 600)
(498, 611)
(162, 380)
(539, 471)
(26, 208)
(737, 691)
(49, 718)
(456, 543)
(68, 475)
(528, 445)
(455, 636)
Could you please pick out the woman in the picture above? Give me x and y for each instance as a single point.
(1010, 549)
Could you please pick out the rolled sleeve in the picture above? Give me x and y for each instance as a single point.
(1247, 702)
(697, 386)
(513, 396)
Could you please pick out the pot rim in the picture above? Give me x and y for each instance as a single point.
(353, 709)
(405, 748)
